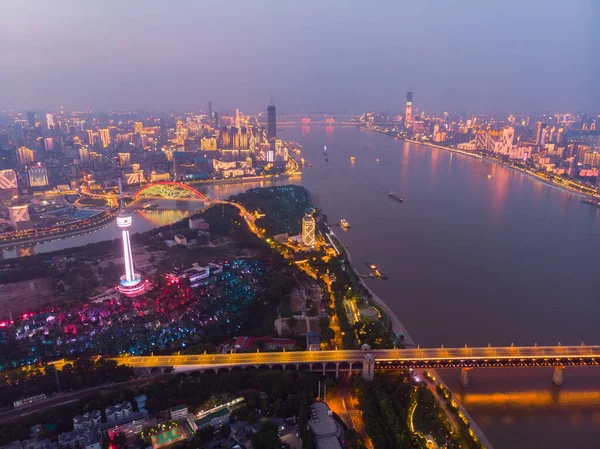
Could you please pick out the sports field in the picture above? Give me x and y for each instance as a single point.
(167, 438)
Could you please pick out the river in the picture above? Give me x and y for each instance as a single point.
(470, 260)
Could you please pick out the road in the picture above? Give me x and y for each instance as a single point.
(343, 402)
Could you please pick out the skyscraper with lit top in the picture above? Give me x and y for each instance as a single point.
(408, 111)
(131, 283)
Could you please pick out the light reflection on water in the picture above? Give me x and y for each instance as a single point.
(168, 212)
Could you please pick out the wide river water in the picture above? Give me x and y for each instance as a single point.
(470, 260)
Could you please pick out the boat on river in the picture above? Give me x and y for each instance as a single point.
(395, 197)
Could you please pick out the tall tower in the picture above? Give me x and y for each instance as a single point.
(272, 122)
(408, 111)
(131, 282)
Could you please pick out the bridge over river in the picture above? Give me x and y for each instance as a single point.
(366, 362)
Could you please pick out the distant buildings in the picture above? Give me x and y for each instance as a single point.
(271, 123)
(308, 230)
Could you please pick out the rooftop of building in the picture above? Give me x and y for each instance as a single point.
(91, 435)
(206, 419)
(125, 420)
(178, 408)
(321, 421)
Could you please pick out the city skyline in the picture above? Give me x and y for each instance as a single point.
(478, 58)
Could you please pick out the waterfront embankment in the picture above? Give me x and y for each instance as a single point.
(530, 173)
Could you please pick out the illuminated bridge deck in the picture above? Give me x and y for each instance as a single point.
(524, 356)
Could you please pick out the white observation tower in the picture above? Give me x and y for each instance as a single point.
(131, 283)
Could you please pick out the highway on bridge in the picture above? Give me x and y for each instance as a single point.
(392, 358)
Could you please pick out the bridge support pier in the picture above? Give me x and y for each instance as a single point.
(337, 370)
(464, 377)
(368, 371)
(557, 377)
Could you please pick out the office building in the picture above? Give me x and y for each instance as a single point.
(91, 137)
(37, 176)
(308, 230)
(210, 114)
(271, 122)
(104, 137)
(25, 156)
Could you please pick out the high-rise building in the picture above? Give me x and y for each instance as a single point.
(25, 155)
(49, 144)
(217, 123)
(84, 154)
(271, 122)
(308, 230)
(104, 137)
(37, 176)
(540, 135)
(124, 159)
(138, 127)
(131, 283)
(210, 114)
(50, 121)
(408, 110)
(31, 119)
(91, 137)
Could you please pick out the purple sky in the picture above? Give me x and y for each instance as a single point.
(499, 56)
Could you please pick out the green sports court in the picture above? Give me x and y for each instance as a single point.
(167, 438)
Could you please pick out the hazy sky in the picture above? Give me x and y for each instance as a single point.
(496, 55)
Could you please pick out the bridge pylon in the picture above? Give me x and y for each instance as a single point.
(368, 371)
(464, 377)
(557, 376)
